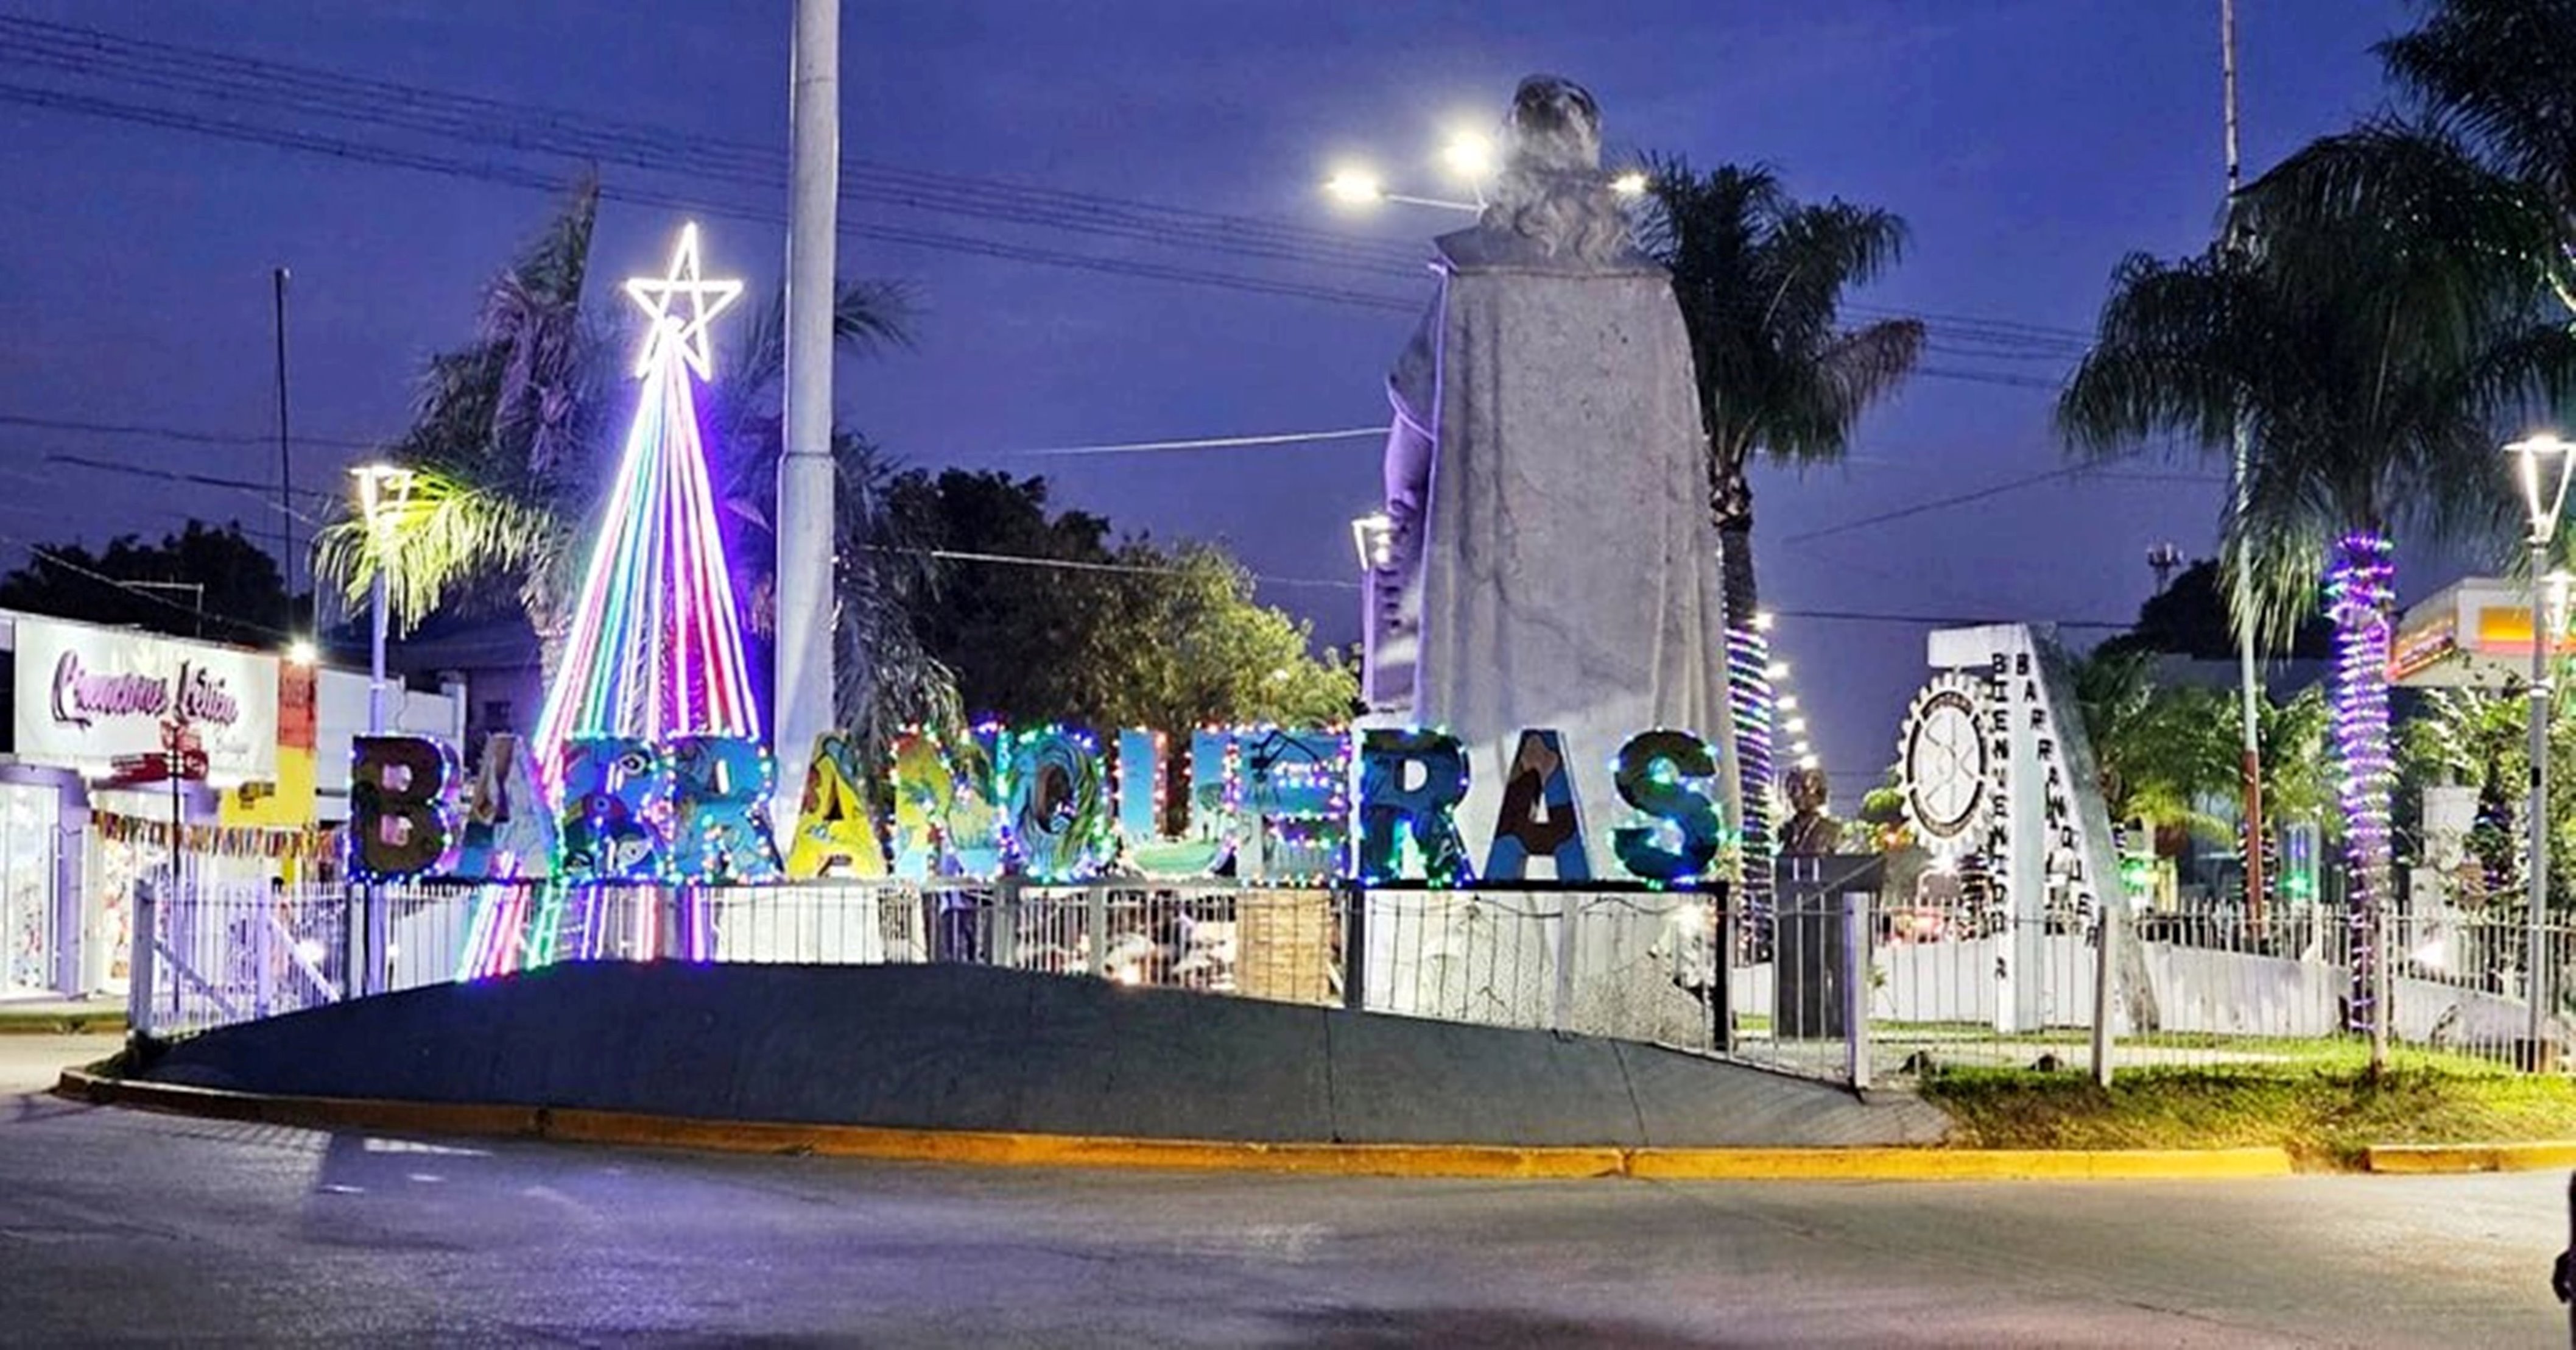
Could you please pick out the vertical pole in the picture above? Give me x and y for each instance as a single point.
(1355, 940)
(1856, 988)
(151, 937)
(140, 965)
(1095, 928)
(1569, 912)
(369, 977)
(1004, 950)
(285, 457)
(806, 533)
(1721, 1002)
(2107, 934)
(263, 948)
(2251, 770)
(379, 699)
(2535, 983)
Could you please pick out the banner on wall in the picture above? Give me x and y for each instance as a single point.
(86, 697)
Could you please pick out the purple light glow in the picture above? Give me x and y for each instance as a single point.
(2360, 595)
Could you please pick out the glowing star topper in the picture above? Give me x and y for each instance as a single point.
(706, 300)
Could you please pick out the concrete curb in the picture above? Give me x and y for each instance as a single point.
(2445, 1159)
(992, 1149)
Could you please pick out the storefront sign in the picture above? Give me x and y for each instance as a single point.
(87, 697)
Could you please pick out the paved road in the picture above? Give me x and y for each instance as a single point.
(116, 1224)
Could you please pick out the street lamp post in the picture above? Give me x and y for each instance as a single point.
(2541, 465)
(382, 489)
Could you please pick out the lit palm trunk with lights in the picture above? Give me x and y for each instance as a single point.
(2361, 598)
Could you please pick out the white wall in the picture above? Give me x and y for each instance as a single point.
(340, 715)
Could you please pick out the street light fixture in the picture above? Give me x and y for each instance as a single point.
(382, 491)
(1373, 537)
(1470, 155)
(2541, 466)
(1633, 183)
(1361, 187)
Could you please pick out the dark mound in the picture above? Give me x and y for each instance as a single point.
(969, 1048)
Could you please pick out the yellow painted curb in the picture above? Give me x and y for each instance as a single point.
(2430, 1159)
(996, 1149)
(1955, 1164)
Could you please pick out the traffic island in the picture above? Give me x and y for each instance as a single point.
(971, 1065)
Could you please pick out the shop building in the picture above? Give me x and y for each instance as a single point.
(121, 743)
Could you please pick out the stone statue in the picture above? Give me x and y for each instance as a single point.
(1552, 206)
(1810, 831)
(1552, 563)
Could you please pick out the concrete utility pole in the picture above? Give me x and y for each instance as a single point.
(285, 455)
(803, 697)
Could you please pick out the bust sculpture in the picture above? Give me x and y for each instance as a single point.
(1810, 832)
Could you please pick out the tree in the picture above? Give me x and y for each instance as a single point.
(2481, 151)
(1760, 278)
(196, 582)
(2190, 618)
(2370, 365)
(1195, 649)
(1043, 620)
(514, 432)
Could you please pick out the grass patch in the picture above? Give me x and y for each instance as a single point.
(2325, 1117)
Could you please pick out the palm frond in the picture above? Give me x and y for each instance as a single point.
(445, 535)
(2497, 70)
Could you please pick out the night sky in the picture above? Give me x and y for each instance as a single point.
(2030, 144)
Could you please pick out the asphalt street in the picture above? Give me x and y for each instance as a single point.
(123, 1226)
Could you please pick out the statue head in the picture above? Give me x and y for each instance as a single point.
(1552, 192)
(1807, 791)
(1555, 125)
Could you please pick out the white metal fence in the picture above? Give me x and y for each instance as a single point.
(1843, 990)
(1836, 989)
(1633, 965)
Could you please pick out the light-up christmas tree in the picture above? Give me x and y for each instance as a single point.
(655, 650)
(656, 644)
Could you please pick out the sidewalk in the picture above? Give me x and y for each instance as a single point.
(61, 1016)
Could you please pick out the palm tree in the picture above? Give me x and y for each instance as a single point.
(514, 430)
(1760, 278)
(2371, 364)
(2158, 749)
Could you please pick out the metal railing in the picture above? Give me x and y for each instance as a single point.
(1838, 987)
(1628, 964)
(1826, 986)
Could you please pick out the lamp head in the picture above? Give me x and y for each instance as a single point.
(1356, 187)
(2541, 464)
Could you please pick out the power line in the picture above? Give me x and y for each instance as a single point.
(234, 81)
(200, 71)
(1209, 443)
(1991, 491)
(1937, 620)
(534, 181)
(242, 485)
(169, 433)
(1078, 565)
